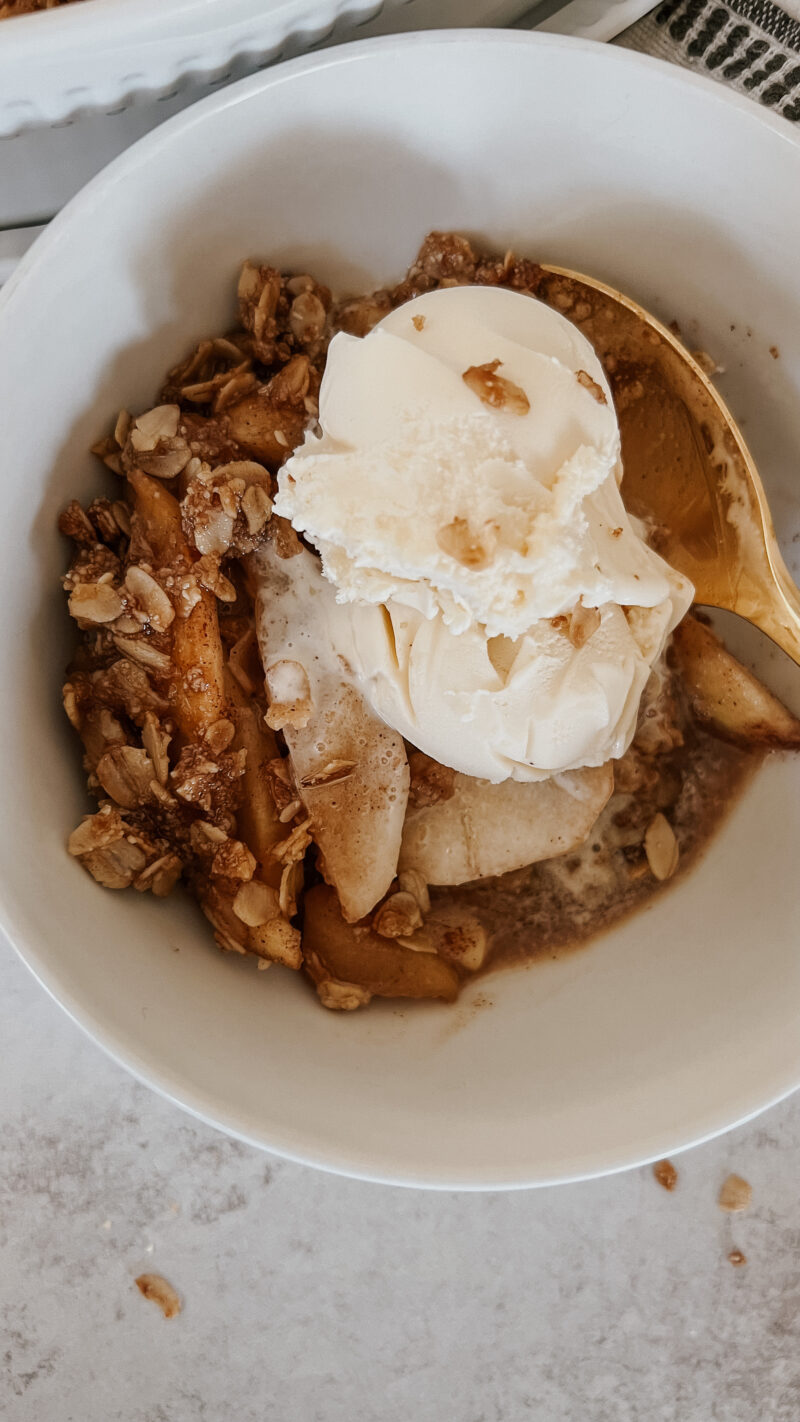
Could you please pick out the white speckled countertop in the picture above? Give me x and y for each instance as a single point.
(309, 1298)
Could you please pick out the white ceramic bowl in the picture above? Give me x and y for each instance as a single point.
(104, 55)
(687, 1018)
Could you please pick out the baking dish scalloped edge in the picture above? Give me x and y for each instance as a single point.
(103, 56)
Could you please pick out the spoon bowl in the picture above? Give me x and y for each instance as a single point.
(687, 468)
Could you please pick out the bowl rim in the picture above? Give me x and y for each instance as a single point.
(293, 1145)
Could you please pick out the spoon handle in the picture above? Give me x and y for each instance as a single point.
(779, 614)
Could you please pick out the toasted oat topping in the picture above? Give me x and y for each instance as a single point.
(94, 602)
(255, 904)
(496, 390)
(290, 888)
(596, 391)
(334, 994)
(412, 882)
(582, 624)
(661, 847)
(75, 524)
(359, 316)
(446, 256)
(278, 774)
(277, 942)
(458, 936)
(216, 374)
(293, 847)
(398, 916)
(233, 860)
(126, 774)
(225, 510)
(332, 773)
(147, 600)
(283, 538)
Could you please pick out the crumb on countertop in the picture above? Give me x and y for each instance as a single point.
(666, 1174)
(737, 1259)
(735, 1194)
(153, 1287)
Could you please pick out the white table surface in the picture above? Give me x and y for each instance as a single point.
(309, 1298)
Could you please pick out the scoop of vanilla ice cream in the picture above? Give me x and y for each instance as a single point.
(464, 497)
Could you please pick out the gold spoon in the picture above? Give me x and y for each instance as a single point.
(687, 467)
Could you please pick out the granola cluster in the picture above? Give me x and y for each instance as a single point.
(166, 690)
(182, 751)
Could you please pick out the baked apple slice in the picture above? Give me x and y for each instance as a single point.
(725, 695)
(485, 829)
(350, 769)
(350, 962)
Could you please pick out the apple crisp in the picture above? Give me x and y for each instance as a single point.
(226, 753)
(10, 8)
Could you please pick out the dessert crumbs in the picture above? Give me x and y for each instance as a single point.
(159, 1291)
(735, 1195)
(666, 1174)
(736, 1258)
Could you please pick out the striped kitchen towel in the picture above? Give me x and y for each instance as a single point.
(751, 44)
